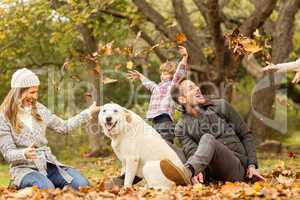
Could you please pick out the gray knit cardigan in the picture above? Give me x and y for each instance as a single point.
(12, 145)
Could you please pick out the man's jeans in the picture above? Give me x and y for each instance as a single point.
(216, 160)
(54, 179)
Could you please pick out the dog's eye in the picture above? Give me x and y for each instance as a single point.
(104, 111)
(115, 111)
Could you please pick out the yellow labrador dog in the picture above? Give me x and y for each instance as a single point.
(137, 145)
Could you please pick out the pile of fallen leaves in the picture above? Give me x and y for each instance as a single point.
(241, 45)
(282, 182)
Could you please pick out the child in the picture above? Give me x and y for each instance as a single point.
(285, 67)
(161, 107)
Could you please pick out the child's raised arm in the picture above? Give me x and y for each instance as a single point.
(182, 66)
(135, 75)
(283, 67)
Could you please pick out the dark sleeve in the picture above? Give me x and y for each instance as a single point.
(242, 131)
(188, 144)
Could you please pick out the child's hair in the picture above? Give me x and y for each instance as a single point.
(168, 66)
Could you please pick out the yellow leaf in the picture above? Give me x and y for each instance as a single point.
(129, 65)
(250, 46)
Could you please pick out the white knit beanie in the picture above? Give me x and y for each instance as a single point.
(24, 78)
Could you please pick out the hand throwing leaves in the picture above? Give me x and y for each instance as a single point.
(134, 75)
(182, 51)
(270, 68)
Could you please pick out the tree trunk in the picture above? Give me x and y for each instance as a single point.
(97, 140)
(263, 99)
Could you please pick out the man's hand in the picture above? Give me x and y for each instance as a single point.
(198, 179)
(30, 152)
(270, 68)
(182, 51)
(296, 78)
(252, 173)
(134, 75)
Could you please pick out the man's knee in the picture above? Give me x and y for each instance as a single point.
(207, 138)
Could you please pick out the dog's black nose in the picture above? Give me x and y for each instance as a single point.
(108, 119)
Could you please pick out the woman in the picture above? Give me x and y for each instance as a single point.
(23, 123)
(285, 67)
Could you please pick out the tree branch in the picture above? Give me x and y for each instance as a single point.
(137, 29)
(214, 26)
(263, 10)
(252, 67)
(156, 18)
(196, 55)
(185, 23)
(202, 8)
(283, 34)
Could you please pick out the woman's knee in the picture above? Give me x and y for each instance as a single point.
(36, 179)
(78, 179)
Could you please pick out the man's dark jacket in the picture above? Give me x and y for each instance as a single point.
(221, 120)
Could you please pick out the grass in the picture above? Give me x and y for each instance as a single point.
(95, 169)
(4, 175)
(98, 169)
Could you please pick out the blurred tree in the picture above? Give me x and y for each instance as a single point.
(71, 35)
(209, 56)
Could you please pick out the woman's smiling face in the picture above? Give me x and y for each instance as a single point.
(29, 96)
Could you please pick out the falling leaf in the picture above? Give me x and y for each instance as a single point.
(118, 67)
(180, 38)
(174, 24)
(292, 154)
(96, 70)
(138, 35)
(128, 50)
(257, 34)
(106, 49)
(76, 77)
(67, 65)
(129, 65)
(107, 80)
(250, 46)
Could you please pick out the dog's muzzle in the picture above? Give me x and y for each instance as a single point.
(109, 125)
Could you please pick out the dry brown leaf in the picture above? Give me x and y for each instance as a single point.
(180, 38)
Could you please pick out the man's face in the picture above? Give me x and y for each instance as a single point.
(190, 93)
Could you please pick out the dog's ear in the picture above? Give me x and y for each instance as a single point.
(128, 116)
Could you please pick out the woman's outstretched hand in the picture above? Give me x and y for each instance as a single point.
(94, 108)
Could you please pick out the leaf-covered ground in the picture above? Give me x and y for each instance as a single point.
(282, 173)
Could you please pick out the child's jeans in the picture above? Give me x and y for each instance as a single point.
(53, 179)
(164, 125)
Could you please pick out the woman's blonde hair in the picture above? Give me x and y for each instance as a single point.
(10, 108)
(168, 67)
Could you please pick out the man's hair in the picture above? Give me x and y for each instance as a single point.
(175, 90)
(168, 67)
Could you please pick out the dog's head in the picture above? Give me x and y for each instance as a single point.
(113, 118)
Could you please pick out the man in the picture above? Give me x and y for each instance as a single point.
(216, 141)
